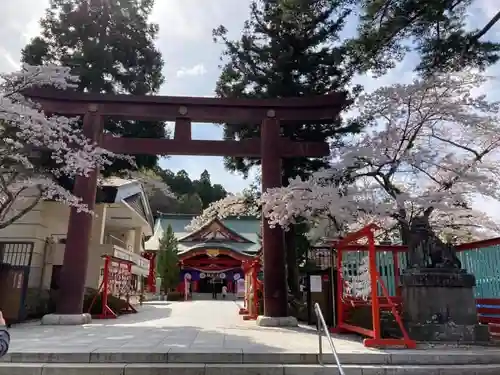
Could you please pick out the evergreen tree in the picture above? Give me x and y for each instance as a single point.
(207, 192)
(289, 48)
(110, 46)
(191, 204)
(195, 195)
(437, 30)
(167, 264)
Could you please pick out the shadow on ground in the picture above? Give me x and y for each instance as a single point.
(136, 338)
(147, 330)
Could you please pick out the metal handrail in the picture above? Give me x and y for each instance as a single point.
(112, 240)
(321, 325)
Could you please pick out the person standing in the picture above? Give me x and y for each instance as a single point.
(4, 337)
(214, 291)
(224, 292)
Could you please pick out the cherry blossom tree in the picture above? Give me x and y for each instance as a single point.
(429, 148)
(152, 183)
(37, 149)
(246, 203)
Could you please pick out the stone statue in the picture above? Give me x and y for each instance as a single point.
(426, 250)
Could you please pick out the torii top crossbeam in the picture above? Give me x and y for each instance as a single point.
(184, 110)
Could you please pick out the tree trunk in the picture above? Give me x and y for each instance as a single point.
(291, 263)
(404, 232)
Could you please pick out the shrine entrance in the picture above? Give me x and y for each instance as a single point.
(211, 269)
(205, 285)
(270, 114)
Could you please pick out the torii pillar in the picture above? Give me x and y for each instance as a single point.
(274, 257)
(70, 304)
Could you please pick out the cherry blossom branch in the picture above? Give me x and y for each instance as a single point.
(412, 162)
(232, 205)
(36, 149)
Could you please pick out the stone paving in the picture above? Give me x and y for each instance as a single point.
(210, 338)
(213, 325)
(213, 331)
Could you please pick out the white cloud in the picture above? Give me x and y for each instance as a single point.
(197, 70)
(185, 35)
(192, 20)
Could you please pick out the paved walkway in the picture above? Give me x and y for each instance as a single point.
(212, 325)
(210, 338)
(184, 327)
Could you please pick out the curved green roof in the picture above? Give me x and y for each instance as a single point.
(245, 226)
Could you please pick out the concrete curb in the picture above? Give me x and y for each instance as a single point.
(403, 357)
(235, 369)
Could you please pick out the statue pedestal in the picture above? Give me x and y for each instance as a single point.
(439, 305)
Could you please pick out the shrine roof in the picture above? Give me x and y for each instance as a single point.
(126, 192)
(246, 227)
(244, 248)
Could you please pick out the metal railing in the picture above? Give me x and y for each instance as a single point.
(112, 240)
(321, 325)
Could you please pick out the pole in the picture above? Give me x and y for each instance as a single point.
(105, 286)
(340, 289)
(395, 259)
(275, 287)
(372, 257)
(75, 261)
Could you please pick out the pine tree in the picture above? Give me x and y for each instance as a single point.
(437, 30)
(110, 45)
(167, 265)
(289, 48)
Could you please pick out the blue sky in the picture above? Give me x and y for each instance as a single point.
(191, 58)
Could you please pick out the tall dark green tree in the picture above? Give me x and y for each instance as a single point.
(110, 46)
(289, 48)
(208, 193)
(190, 204)
(167, 267)
(195, 195)
(436, 30)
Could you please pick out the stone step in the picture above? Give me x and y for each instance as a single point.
(400, 357)
(396, 357)
(236, 369)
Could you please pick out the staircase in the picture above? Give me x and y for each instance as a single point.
(177, 362)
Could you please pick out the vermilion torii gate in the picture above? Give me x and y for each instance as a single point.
(271, 147)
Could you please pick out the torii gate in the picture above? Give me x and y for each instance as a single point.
(271, 148)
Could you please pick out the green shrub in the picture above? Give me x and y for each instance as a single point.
(361, 316)
(260, 299)
(117, 305)
(174, 296)
(37, 304)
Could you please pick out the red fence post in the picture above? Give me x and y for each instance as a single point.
(395, 259)
(372, 257)
(105, 286)
(340, 287)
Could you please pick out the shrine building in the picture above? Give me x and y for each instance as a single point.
(212, 253)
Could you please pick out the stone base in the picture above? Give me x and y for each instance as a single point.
(463, 334)
(66, 319)
(439, 305)
(271, 321)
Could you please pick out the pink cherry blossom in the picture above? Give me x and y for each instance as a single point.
(28, 134)
(431, 145)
